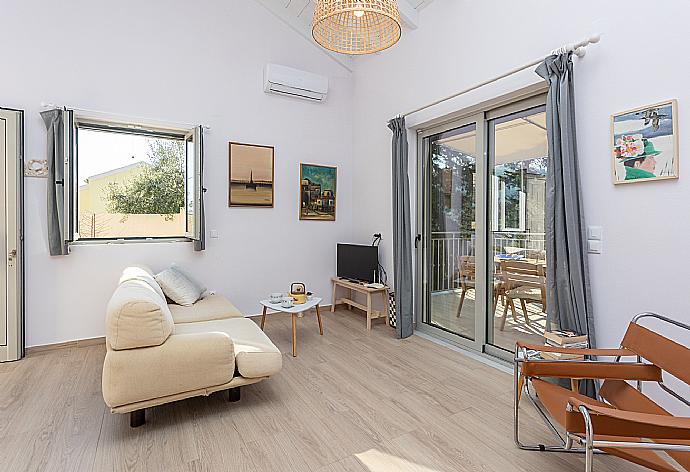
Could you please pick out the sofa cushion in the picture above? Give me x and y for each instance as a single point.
(200, 286)
(184, 363)
(141, 272)
(178, 287)
(255, 354)
(136, 316)
(211, 307)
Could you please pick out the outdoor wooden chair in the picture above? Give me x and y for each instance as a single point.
(467, 277)
(523, 281)
(622, 421)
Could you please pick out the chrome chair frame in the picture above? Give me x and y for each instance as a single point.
(589, 446)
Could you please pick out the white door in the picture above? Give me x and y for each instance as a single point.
(11, 273)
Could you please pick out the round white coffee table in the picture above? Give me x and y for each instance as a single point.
(294, 310)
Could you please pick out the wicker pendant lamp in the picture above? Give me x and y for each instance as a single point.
(356, 26)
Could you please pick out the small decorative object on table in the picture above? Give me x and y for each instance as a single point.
(298, 292)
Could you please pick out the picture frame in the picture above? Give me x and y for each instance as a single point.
(251, 175)
(318, 192)
(644, 143)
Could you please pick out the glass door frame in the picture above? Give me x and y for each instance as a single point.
(424, 229)
(483, 114)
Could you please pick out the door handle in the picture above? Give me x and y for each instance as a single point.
(417, 239)
(11, 256)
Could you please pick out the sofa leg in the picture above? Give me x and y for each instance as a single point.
(234, 394)
(137, 418)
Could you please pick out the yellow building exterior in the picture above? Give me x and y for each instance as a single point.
(92, 194)
(95, 221)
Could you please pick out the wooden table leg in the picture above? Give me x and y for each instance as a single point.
(294, 334)
(318, 317)
(386, 302)
(335, 286)
(368, 311)
(263, 319)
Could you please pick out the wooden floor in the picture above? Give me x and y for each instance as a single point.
(351, 401)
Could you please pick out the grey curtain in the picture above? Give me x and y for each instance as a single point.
(568, 290)
(200, 244)
(402, 244)
(54, 121)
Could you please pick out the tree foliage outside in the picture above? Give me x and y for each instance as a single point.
(158, 188)
(452, 191)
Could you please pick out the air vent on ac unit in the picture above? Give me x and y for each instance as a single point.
(295, 83)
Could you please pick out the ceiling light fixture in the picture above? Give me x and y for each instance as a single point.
(356, 26)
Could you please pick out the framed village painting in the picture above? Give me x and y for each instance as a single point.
(644, 143)
(317, 192)
(250, 183)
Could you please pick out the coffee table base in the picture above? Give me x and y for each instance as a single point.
(294, 326)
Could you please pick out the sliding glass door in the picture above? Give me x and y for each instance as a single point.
(481, 206)
(453, 168)
(518, 159)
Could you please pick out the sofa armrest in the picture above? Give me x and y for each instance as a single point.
(184, 362)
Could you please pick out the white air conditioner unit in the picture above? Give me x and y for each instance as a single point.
(295, 83)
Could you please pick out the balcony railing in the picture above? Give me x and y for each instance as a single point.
(447, 247)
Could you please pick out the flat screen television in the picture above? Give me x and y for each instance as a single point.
(357, 262)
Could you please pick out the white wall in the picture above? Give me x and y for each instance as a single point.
(197, 62)
(640, 60)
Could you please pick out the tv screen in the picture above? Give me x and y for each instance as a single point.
(357, 262)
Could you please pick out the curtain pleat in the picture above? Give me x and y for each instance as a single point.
(402, 240)
(567, 283)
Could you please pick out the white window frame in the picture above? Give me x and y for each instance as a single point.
(75, 120)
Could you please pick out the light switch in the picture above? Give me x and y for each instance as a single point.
(214, 234)
(594, 246)
(595, 232)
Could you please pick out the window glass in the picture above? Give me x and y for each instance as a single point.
(131, 185)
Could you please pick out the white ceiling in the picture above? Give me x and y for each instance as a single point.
(297, 14)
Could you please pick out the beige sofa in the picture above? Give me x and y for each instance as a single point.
(159, 353)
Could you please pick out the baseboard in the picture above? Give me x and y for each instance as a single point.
(101, 339)
(67, 344)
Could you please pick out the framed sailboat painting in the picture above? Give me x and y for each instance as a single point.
(250, 183)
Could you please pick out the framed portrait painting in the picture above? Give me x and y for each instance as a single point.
(317, 192)
(250, 183)
(644, 143)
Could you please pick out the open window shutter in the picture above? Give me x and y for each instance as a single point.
(194, 188)
(60, 150)
(71, 187)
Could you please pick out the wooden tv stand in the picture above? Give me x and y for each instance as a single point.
(363, 289)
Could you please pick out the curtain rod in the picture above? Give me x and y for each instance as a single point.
(578, 49)
(106, 114)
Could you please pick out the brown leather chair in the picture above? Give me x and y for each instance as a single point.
(622, 421)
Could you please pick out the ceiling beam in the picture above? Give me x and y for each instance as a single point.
(408, 14)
